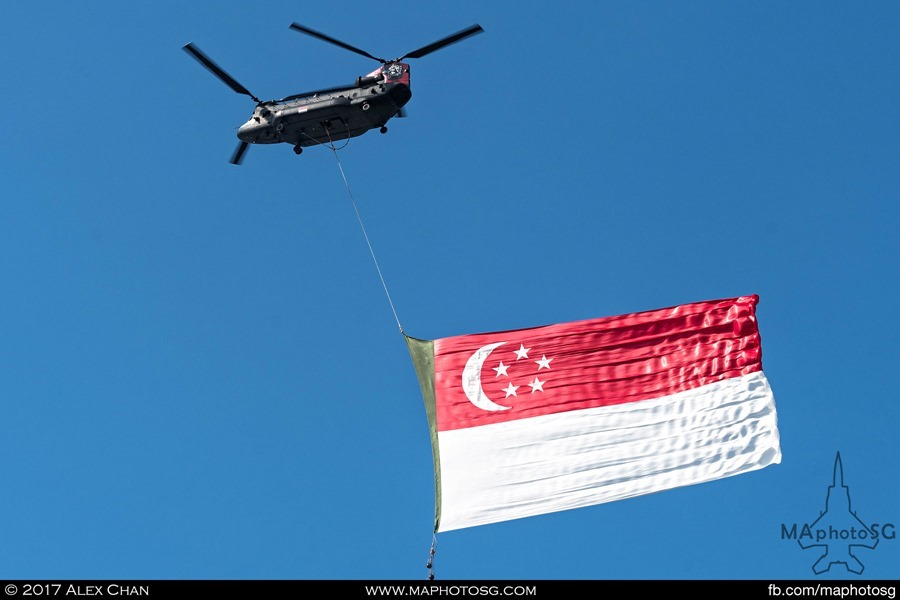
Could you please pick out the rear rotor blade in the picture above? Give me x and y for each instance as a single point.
(444, 42)
(331, 40)
(238, 155)
(207, 62)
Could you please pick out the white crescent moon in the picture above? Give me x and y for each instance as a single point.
(471, 379)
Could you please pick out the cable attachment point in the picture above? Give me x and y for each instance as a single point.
(430, 564)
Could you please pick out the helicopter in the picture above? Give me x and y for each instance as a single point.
(332, 114)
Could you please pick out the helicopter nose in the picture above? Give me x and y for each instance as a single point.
(247, 131)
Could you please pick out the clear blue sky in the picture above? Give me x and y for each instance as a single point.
(201, 377)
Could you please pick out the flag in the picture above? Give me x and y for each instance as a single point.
(533, 421)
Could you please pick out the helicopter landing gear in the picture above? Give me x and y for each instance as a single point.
(298, 149)
(383, 129)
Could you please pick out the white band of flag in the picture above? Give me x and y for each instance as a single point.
(579, 458)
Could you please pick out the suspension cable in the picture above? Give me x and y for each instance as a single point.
(361, 226)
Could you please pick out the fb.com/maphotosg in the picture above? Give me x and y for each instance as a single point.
(833, 591)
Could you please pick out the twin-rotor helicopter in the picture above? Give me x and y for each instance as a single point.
(338, 113)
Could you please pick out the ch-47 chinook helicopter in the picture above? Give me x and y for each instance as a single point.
(338, 113)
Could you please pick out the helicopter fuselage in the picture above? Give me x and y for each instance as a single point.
(327, 115)
(324, 117)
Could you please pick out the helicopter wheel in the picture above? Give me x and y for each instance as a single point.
(383, 129)
(298, 149)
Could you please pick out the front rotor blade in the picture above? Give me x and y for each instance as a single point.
(238, 155)
(442, 43)
(218, 71)
(331, 40)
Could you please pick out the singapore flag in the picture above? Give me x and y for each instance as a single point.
(538, 420)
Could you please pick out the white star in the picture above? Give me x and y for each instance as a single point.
(537, 385)
(522, 352)
(544, 363)
(501, 370)
(511, 390)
